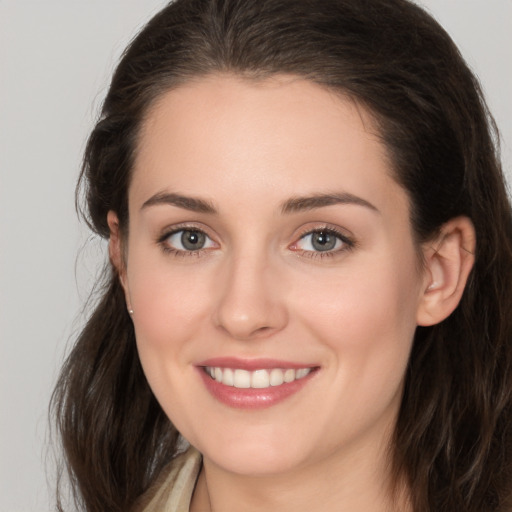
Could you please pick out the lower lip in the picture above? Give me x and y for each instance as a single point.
(251, 398)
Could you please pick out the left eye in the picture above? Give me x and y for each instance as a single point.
(320, 241)
(189, 240)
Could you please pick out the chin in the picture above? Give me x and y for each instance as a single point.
(256, 456)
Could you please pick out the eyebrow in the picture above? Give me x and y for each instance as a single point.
(186, 202)
(295, 204)
(298, 204)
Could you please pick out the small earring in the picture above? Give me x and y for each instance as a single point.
(130, 311)
(432, 286)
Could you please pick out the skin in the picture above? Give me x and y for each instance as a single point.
(259, 288)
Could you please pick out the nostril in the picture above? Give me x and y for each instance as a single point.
(247, 332)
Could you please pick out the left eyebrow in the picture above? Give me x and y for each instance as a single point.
(298, 204)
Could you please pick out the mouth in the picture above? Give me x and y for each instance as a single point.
(254, 384)
(258, 379)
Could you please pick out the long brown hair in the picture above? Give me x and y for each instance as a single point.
(453, 438)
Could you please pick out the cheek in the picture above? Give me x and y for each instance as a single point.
(367, 318)
(168, 313)
(169, 306)
(375, 292)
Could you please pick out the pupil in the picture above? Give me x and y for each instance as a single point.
(192, 240)
(323, 241)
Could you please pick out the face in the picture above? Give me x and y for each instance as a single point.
(272, 272)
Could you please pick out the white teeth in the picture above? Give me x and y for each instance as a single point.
(228, 377)
(242, 379)
(276, 377)
(289, 375)
(258, 379)
(299, 374)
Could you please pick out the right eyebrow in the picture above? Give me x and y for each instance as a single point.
(193, 204)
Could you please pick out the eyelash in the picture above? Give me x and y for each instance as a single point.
(180, 253)
(348, 244)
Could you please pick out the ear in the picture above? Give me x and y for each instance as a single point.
(115, 251)
(448, 261)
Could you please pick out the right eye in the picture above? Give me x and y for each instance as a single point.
(187, 240)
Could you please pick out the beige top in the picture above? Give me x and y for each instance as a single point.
(173, 490)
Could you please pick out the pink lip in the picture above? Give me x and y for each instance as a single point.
(253, 364)
(249, 398)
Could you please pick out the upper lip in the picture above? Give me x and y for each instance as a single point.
(253, 364)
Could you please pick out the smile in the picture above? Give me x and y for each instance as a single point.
(258, 379)
(254, 384)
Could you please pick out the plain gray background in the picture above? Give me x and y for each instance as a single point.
(56, 57)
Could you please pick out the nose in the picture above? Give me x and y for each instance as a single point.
(251, 302)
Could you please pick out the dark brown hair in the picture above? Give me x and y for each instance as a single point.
(453, 439)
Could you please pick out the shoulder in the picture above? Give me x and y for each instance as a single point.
(173, 489)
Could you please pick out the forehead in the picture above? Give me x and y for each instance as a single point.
(225, 135)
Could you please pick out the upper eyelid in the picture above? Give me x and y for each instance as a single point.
(185, 226)
(312, 228)
(326, 230)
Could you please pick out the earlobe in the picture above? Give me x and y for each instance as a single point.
(448, 263)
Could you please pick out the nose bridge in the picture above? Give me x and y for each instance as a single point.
(251, 300)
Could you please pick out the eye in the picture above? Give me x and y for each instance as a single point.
(187, 240)
(320, 241)
(326, 241)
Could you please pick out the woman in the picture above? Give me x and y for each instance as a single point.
(311, 257)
